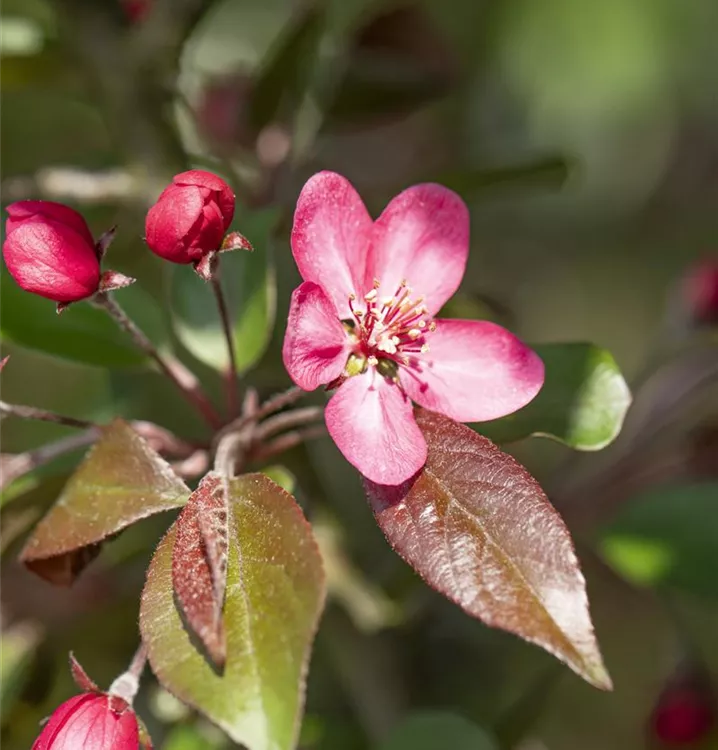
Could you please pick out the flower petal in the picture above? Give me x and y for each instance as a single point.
(316, 346)
(372, 422)
(48, 211)
(330, 237)
(422, 236)
(475, 371)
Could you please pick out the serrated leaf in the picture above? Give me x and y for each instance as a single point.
(667, 537)
(120, 481)
(199, 563)
(430, 730)
(275, 594)
(249, 285)
(583, 402)
(82, 333)
(479, 529)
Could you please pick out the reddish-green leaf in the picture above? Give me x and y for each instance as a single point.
(479, 529)
(199, 563)
(120, 481)
(275, 593)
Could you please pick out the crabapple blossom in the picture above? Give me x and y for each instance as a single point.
(363, 320)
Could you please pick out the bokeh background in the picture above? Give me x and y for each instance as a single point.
(584, 137)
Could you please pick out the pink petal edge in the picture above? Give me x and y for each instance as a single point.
(330, 237)
(474, 371)
(422, 237)
(372, 423)
(316, 346)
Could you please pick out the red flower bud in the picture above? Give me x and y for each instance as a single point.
(701, 292)
(190, 217)
(685, 711)
(49, 251)
(91, 721)
(136, 10)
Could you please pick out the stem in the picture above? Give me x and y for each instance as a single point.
(275, 403)
(286, 441)
(287, 420)
(31, 412)
(128, 683)
(173, 369)
(232, 392)
(22, 463)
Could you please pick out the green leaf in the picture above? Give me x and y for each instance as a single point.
(548, 172)
(82, 333)
(430, 730)
(479, 529)
(120, 481)
(249, 285)
(667, 537)
(583, 401)
(275, 594)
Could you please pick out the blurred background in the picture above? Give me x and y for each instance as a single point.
(584, 138)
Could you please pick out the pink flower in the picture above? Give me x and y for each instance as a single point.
(91, 721)
(49, 251)
(364, 319)
(190, 217)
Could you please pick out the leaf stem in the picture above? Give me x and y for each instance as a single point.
(172, 368)
(232, 376)
(31, 412)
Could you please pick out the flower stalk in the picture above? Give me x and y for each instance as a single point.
(232, 375)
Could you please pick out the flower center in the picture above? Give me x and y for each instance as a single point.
(389, 331)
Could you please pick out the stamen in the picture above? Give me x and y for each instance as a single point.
(369, 296)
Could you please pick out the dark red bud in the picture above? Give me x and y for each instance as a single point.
(49, 251)
(685, 711)
(136, 10)
(701, 292)
(190, 218)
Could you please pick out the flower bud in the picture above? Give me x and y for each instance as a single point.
(91, 721)
(700, 290)
(190, 218)
(685, 711)
(49, 251)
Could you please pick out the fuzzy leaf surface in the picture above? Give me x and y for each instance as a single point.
(120, 481)
(479, 529)
(199, 563)
(275, 594)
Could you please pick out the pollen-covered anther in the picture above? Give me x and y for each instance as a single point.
(424, 348)
(372, 361)
(414, 333)
(369, 296)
